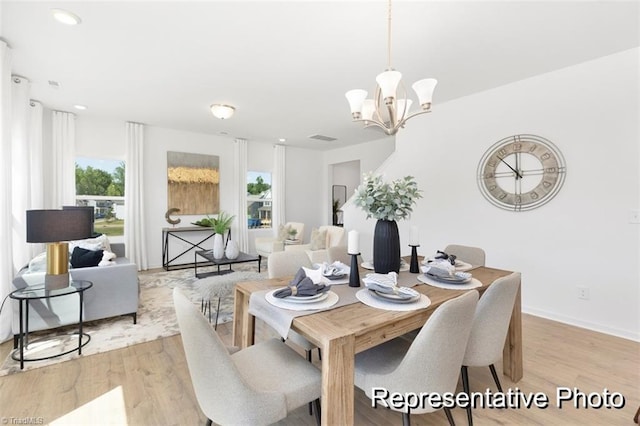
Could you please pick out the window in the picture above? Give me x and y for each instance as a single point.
(259, 200)
(100, 184)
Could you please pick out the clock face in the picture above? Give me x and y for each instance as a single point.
(521, 172)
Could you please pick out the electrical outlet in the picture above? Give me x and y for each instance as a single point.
(583, 293)
(634, 216)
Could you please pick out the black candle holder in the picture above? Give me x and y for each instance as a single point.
(354, 275)
(413, 266)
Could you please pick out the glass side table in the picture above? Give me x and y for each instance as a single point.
(40, 349)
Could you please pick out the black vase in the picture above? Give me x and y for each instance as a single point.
(386, 247)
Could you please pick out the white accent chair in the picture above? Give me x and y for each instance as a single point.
(473, 255)
(335, 236)
(267, 245)
(490, 326)
(258, 385)
(429, 363)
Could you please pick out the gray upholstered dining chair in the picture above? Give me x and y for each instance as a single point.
(261, 384)
(339, 253)
(429, 363)
(473, 255)
(489, 331)
(287, 263)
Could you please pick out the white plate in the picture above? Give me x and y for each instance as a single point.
(369, 265)
(306, 299)
(394, 297)
(451, 280)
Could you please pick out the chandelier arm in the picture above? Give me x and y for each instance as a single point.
(371, 122)
(401, 123)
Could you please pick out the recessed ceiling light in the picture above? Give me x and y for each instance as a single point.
(80, 107)
(282, 140)
(65, 17)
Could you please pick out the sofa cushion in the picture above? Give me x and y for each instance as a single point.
(318, 239)
(83, 258)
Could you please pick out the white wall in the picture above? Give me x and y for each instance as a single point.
(583, 236)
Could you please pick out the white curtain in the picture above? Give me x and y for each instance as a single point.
(6, 248)
(134, 223)
(63, 176)
(278, 187)
(36, 158)
(21, 169)
(240, 184)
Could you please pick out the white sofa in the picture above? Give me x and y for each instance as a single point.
(115, 292)
(335, 236)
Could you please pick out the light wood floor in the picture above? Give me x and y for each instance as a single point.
(149, 384)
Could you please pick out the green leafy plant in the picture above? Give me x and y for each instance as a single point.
(387, 201)
(222, 223)
(292, 233)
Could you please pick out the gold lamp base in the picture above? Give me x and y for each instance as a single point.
(57, 266)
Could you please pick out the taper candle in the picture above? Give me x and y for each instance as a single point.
(414, 238)
(353, 243)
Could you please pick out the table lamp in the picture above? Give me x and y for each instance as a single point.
(56, 227)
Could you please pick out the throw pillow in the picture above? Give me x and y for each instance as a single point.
(318, 239)
(283, 232)
(83, 258)
(98, 243)
(38, 263)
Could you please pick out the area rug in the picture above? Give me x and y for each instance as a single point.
(156, 315)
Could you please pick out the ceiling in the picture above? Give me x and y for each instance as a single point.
(285, 66)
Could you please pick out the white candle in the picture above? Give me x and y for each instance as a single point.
(414, 238)
(353, 243)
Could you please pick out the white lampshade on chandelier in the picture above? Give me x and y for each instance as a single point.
(222, 111)
(390, 109)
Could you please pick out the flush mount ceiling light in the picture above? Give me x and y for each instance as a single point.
(222, 111)
(65, 17)
(80, 107)
(390, 109)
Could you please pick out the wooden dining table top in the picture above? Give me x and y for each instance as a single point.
(344, 331)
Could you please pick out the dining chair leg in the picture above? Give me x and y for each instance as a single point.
(318, 411)
(447, 412)
(465, 387)
(495, 377)
(319, 354)
(215, 327)
(209, 422)
(406, 418)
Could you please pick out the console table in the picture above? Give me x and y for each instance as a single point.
(181, 234)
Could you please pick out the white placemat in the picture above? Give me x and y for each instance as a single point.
(331, 300)
(369, 265)
(474, 283)
(365, 297)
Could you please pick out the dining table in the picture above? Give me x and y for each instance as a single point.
(344, 331)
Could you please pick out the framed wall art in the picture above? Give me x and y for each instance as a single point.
(193, 183)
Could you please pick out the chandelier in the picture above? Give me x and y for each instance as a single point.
(390, 109)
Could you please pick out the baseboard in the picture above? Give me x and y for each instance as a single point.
(625, 334)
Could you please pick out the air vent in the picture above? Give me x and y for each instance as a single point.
(323, 138)
(54, 84)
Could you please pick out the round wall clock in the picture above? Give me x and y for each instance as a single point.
(521, 172)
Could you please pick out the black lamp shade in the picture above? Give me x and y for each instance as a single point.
(50, 226)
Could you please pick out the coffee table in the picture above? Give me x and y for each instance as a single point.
(208, 254)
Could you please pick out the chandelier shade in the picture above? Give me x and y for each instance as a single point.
(390, 108)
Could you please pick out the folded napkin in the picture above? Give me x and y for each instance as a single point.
(301, 286)
(387, 284)
(333, 269)
(444, 270)
(440, 255)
